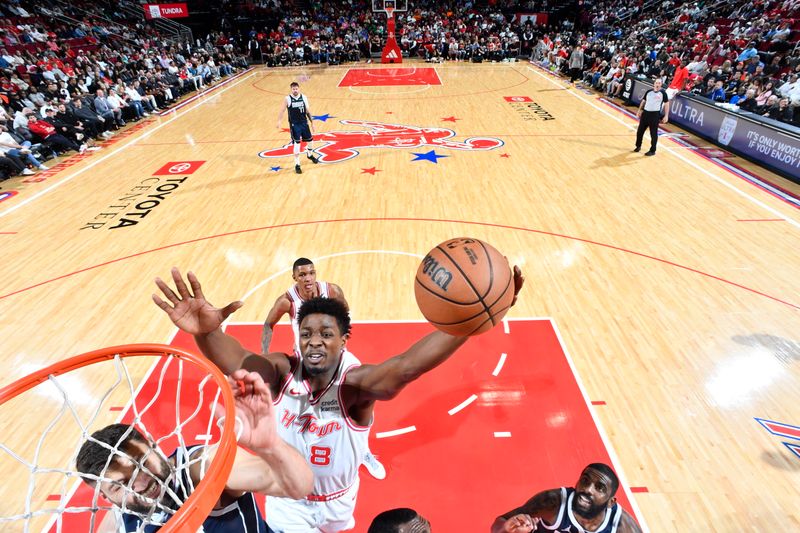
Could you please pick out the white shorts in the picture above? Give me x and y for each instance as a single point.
(285, 515)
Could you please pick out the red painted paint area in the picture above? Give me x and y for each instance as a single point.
(383, 77)
(452, 469)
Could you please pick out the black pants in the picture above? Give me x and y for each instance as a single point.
(574, 74)
(650, 119)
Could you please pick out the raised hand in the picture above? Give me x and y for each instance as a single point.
(255, 412)
(520, 523)
(190, 311)
(519, 280)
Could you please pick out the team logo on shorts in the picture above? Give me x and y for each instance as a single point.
(336, 146)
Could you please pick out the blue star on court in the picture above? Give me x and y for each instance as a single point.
(431, 156)
(322, 118)
(275, 169)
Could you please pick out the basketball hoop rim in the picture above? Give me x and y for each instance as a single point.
(196, 508)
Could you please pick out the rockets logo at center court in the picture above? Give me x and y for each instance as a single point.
(336, 146)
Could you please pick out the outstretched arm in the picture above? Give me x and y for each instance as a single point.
(281, 307)
(192, 313)
(544, 505)
(386, 380)
(273, 467)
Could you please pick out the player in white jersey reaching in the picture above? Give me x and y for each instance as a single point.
(324, 398)
(306, 287)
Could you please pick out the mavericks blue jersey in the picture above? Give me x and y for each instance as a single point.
(297, 109)
(241, 516)
(566, 522)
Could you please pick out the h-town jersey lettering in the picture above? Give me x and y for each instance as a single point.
(297, 303)
(333, 444)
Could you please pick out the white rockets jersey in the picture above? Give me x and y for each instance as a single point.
(297, 303)
(332, 443)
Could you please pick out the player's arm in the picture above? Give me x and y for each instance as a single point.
(192, 313)
(280, 471)
(273, 467)
(229, 355)
(385, 381)
(337, 293)
(281, 307)
(627, 524)
(308, 115)
(666, 112)
(544, 505)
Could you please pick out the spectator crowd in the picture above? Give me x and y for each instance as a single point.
(70, 77)
(72, 74)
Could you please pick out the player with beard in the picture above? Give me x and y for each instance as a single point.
(146, 487)
(589, 507)
(324, 397)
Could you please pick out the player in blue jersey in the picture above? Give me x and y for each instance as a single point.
(146, 487)
(300, 123)
(590, 506)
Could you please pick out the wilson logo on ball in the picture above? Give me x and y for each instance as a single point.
(438, 274)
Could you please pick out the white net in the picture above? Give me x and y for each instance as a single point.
(172, 409)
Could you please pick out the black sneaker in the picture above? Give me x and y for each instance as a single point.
(638, 148)
(651, 152)
(313, 159)
(297, 169)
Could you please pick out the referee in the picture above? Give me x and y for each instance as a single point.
(653, 109)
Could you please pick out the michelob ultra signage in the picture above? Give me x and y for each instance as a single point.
(170, 11)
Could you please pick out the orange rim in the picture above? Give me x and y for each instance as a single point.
(196, 508)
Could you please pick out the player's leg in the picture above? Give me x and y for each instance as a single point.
(309, 139)
(296, 133)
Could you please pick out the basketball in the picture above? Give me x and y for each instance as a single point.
(464, 286)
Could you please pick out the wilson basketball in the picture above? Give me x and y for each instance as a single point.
(464, 286)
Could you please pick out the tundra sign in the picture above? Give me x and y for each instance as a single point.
(170, 11)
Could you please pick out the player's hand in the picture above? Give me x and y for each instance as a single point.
(520, 523)
(255, 412)
(664, 120)
(639, 113)
(519, 280)
(278, 125)
(190, 311)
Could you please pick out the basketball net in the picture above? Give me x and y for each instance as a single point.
(389, 13)
(173, 413)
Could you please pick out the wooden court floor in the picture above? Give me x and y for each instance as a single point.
(672, 283)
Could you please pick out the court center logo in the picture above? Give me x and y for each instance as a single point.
(337, 146)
